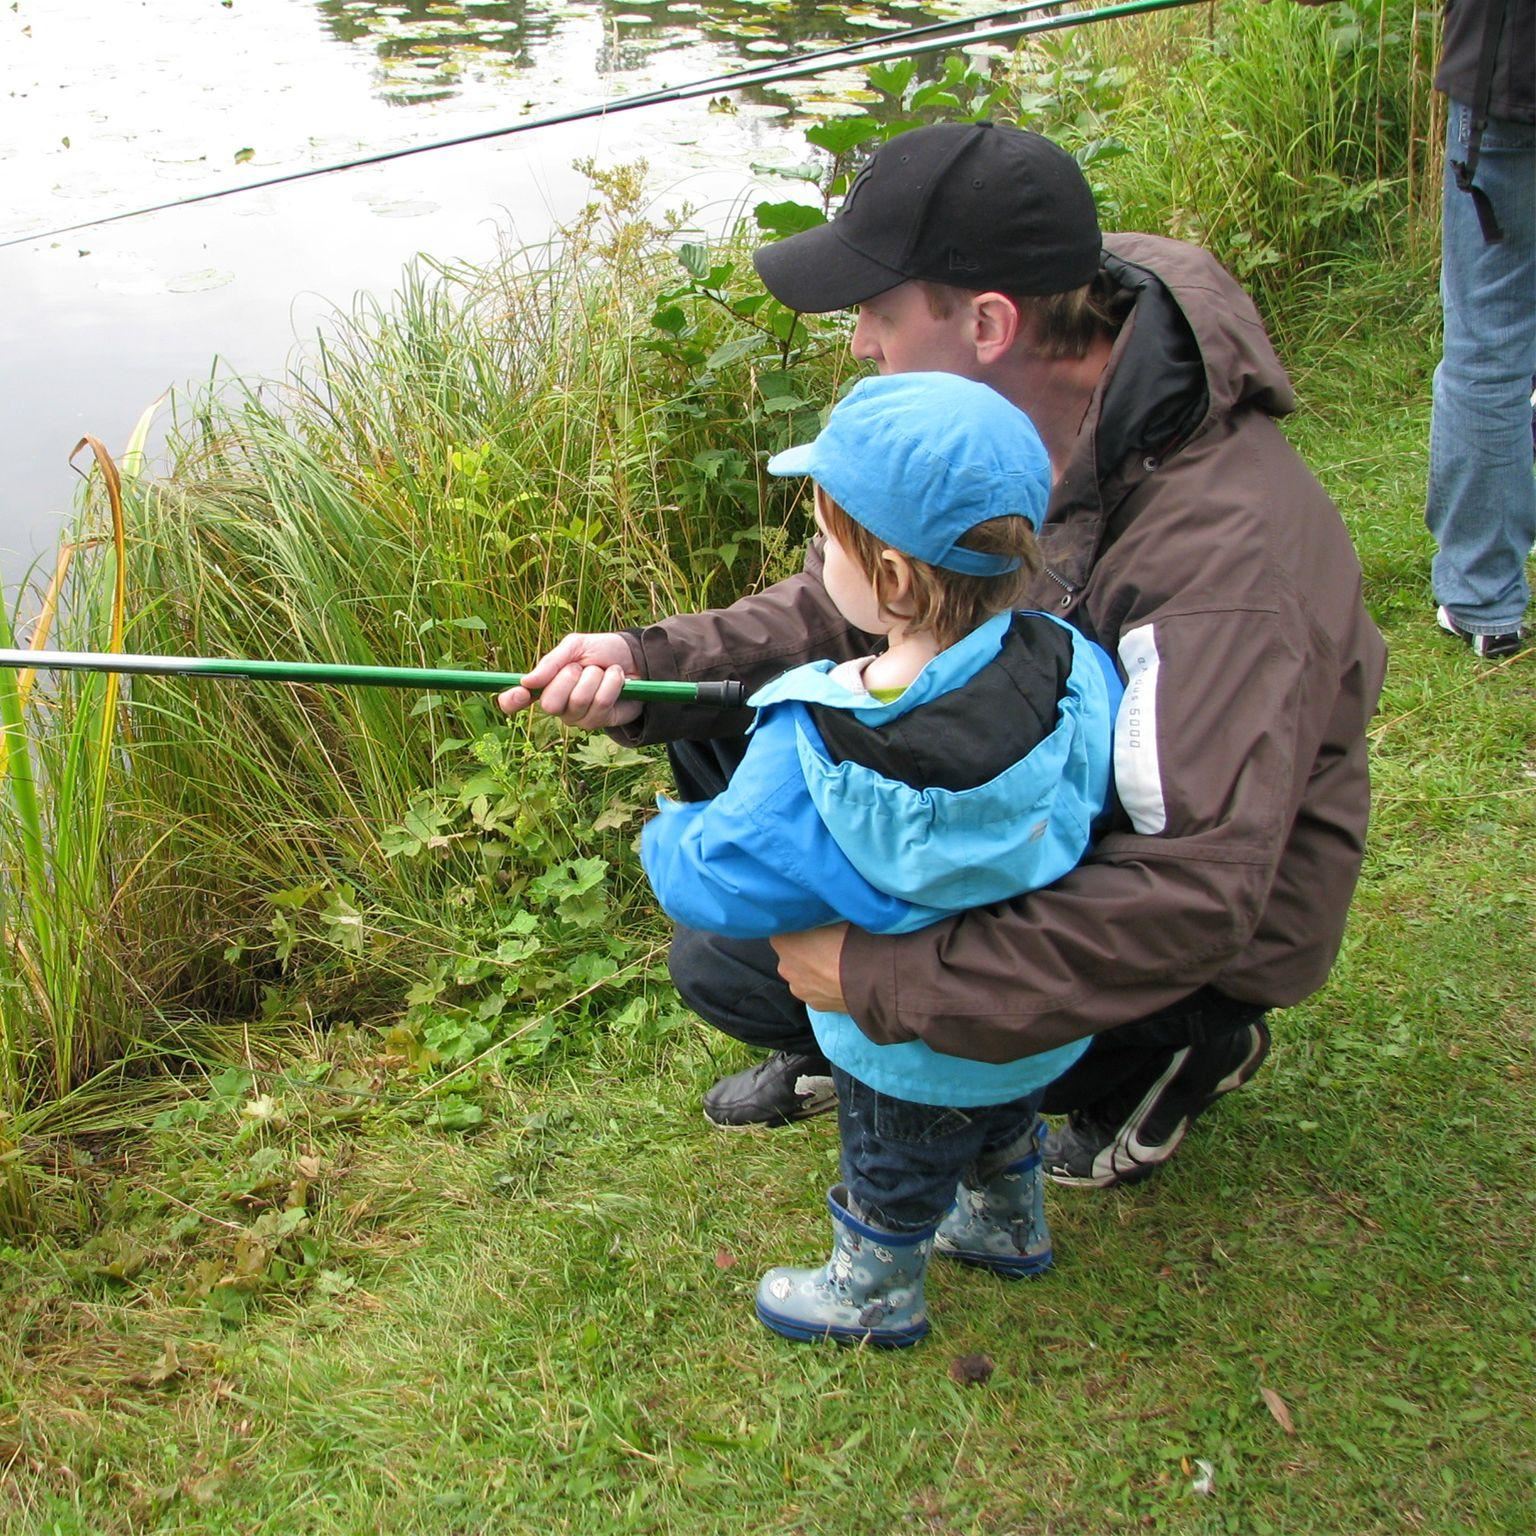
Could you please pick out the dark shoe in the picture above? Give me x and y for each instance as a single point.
(1482, 645)
(789, 1085)
(1129, 1139)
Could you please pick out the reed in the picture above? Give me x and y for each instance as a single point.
(64, 1004)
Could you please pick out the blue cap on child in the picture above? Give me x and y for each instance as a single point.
(920, 458)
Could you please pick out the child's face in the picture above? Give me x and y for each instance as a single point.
(847, 585)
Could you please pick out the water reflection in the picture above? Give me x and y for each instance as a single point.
(100, 118)
(428, 49)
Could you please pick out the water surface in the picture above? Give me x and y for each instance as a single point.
(111, 105)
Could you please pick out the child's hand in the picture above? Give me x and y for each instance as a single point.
(578, 682)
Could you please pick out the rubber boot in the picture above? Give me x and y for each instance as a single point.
(1000, 1225)
(869, 1291)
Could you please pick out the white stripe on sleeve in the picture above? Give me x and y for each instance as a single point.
(1138, 776)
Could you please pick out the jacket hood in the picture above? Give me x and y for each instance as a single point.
(1191, 353)
(1193, 348)
(949, 849)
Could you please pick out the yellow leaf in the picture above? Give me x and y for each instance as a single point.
(1277, 1409)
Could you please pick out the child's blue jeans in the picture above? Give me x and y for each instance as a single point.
(901, 1161)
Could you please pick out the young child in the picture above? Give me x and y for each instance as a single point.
(964, 763)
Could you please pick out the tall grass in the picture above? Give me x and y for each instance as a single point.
(492, 459)
(64, 1005)
(1299, 144)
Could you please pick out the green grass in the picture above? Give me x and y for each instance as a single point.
(1289, 140)
(544, 1324)
(418, 1228)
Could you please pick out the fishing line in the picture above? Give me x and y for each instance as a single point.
(874, 51)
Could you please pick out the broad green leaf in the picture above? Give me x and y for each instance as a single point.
(843, 133)
(787, 218)
(734, 350)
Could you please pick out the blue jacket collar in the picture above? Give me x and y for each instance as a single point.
(957, 664)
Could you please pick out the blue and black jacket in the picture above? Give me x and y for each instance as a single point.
(983, 780)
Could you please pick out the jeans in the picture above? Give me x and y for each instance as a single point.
(901, 1161)
(1482, 495)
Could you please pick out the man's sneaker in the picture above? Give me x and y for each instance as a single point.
(1482, 645)
(789, 1085)
(1126, 1140)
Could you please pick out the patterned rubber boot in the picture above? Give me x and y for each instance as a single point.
(1001, 1225)
(869, 1291)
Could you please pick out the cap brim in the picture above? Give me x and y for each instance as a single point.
(816, 271)
(793, 461)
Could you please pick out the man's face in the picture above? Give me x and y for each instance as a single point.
(899, 333)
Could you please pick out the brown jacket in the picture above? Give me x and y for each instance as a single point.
(1187, 537)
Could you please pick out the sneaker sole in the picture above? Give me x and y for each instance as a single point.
(769, 1125)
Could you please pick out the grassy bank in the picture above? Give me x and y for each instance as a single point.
(381, 1201)
(306, 1310)
(573, 440)
(330, 1293)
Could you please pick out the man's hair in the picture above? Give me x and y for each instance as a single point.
(947, 604)
(1057, 324)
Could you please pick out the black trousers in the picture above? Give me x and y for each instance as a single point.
(734, 984)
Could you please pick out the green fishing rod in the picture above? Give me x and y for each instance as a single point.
(719, 695)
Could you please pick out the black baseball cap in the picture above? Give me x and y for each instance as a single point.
(975, 205)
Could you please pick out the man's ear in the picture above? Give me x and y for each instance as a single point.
(996, 322)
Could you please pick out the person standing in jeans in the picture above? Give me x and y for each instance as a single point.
(1482, 494)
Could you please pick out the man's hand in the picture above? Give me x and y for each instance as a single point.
(578, 682)
(811, 965)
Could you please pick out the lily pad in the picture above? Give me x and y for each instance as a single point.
(201, 281)
(403, 210)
